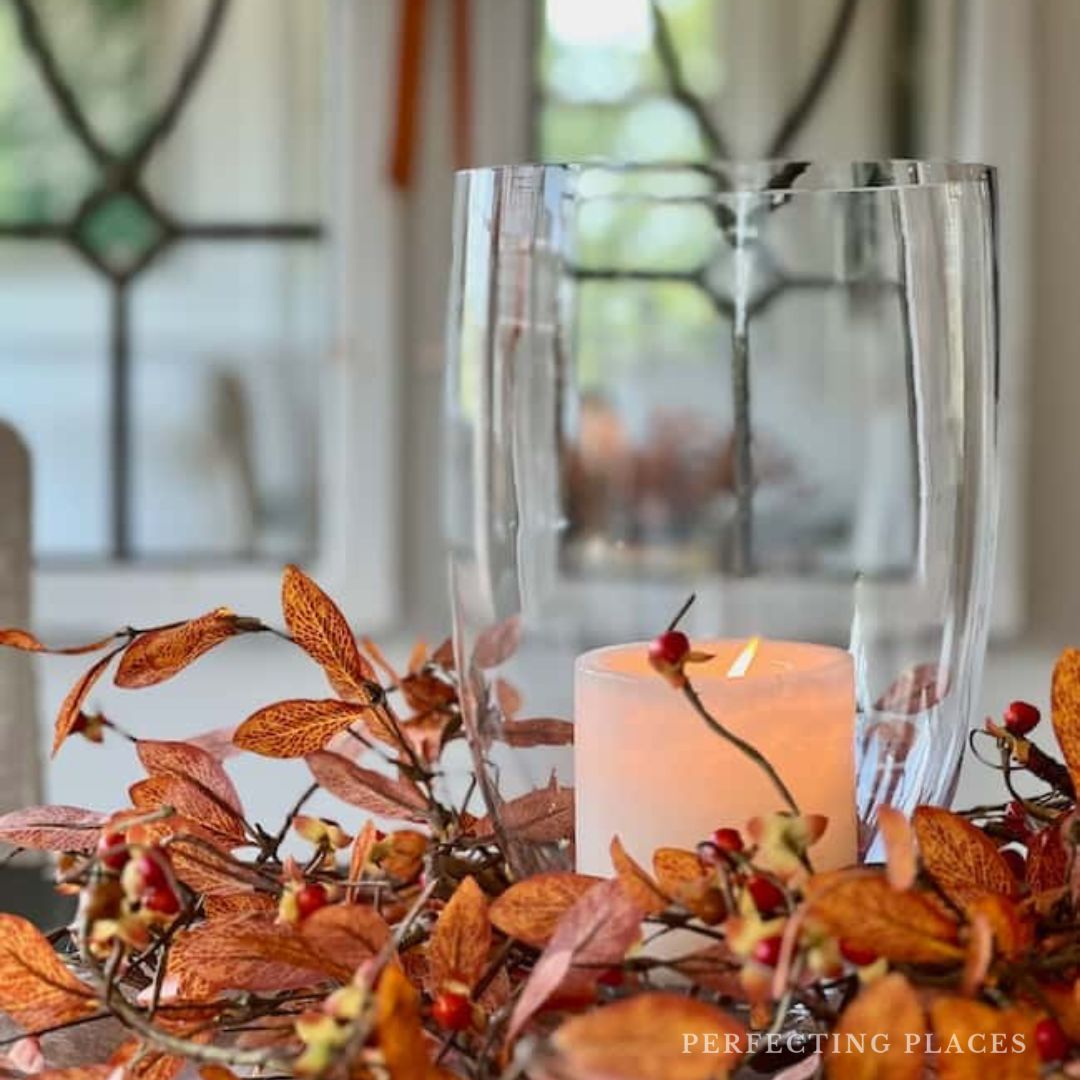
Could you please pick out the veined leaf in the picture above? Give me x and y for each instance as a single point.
(190, 800)
(296, 728)
(190, 762)
(370, 790)
(23, 640)
(638, 885)
(461, 940)
(961, 859)
(860, 907)
(320, 629)
(37, 990)
(52, 828)
(158, 655)
(1065, 709)
(531, 909)
(73, 703)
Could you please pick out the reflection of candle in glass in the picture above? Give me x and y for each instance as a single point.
(649, 769)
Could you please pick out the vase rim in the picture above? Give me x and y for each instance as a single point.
(797, 176)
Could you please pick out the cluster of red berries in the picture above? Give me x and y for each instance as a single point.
(145, 874)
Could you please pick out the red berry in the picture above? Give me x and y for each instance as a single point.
(310, 898)
(767, 950)
(162, 899)
(1051, 1042)
(1017, 863)
(669, 649)
(767, 896)
(112, 850)
(452, 1012)
(728, 840)
(612, 976)
(150, 867)
(854, 955)
(1020, 718)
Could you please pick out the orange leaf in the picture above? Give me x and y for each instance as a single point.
(1012, 932)
(638, 885)
(861, 907)
(675, 868)
(645, 1038)
(190, 762)
(358, 857)
(158, 655)
(296, 728)
(320, 629)
(888, 1009)
(370, 790)
(901, 864)
(980, 954)
(52, 828)
(251, 952)
(73, 703)
(530, 909)
(76, 1072)
(345, 935)
(13, 638)
(961, 859)
(976, 1040)
(1048, 860)
(398, 1027)
(229, 905)
(682, 877)
(1065, 709)
(192, 801)
(461, 940)
(405, 858)
(37, 990)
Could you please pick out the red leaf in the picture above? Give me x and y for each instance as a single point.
(1048, 860)
(597, 930)
(73, 703)
(537, 732)
(320, 629)
(370, 790)
(544, 816)
(291, 729)
(191, 801)
(158, 655)
(52, 828)
(189, 762)
(497, 643)
(37, 990)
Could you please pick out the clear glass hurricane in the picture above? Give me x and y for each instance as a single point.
(771, 385)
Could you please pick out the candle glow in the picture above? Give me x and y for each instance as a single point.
(648, 769)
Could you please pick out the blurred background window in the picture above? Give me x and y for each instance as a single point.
(163, 285)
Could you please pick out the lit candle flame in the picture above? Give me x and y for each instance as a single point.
(742, 662)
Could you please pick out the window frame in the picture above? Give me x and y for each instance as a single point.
(358, 507)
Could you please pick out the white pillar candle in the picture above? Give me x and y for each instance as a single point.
(648, 769)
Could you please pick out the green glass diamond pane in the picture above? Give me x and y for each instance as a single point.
(120, 231)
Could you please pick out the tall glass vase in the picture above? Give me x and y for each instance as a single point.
(772, 386)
